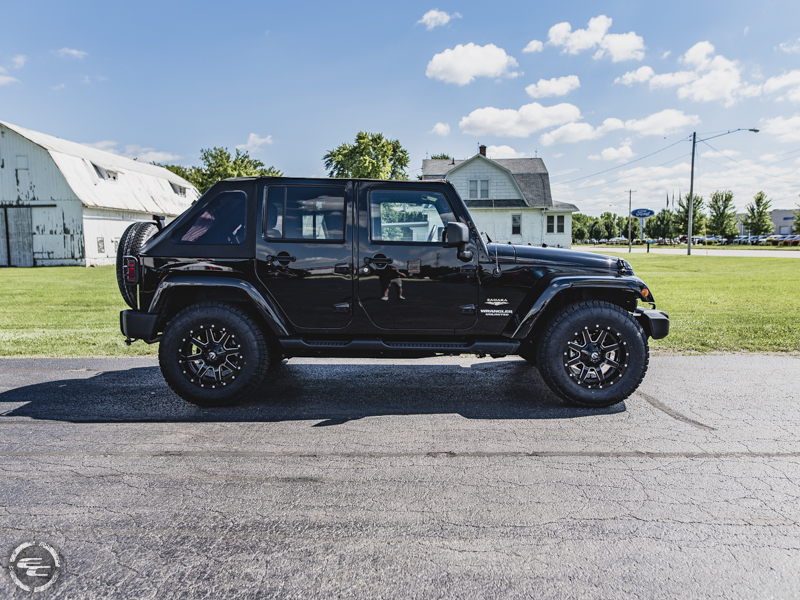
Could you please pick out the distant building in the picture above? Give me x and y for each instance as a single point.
(63, 203)
(782, 219)
(508, 198)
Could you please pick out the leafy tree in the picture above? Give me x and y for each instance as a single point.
(622, 225)
(722, 214)
(218, 164)
(598, 230)
(757, 219)
(441, 157)
(584, 221)
(372, 157)
(609, 221)
(579, 233)
(796, 220)
(681, 216)
(661, 226)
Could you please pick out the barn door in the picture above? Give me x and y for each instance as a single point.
(3, 239)
(19, 236)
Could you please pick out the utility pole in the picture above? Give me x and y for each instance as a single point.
(691, 182)
(691, 198)
(630, 210)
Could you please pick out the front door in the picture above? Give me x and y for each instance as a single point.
(304, 254)
(407, 278)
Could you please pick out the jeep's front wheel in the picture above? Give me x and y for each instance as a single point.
(213, 354)
(593, 353)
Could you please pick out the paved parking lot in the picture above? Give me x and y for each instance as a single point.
(452, 478)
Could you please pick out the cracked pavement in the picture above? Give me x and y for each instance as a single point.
(435, 478)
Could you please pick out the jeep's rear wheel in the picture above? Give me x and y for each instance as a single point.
(130, 244)
(593, 353)
(213, 354)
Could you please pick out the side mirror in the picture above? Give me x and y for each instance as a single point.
(457, 234)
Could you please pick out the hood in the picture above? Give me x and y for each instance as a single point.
(559, 256)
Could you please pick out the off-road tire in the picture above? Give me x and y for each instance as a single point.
(562, 360)
(130, 244)
(206, 380)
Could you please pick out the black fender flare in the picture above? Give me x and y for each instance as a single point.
(559, 285)
(266, 307)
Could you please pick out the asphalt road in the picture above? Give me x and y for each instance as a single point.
(442, 478)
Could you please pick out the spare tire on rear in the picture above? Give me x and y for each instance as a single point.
(130, 244)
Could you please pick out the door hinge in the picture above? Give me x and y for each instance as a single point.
(343, 307)
(468, 309)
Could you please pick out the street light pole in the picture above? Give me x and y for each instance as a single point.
(691, 182)
(630, 209)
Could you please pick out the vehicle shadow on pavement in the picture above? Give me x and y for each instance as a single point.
(331, 394)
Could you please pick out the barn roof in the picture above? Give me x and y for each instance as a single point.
(139, 186)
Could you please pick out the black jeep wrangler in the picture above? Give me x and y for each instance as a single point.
(261, 269)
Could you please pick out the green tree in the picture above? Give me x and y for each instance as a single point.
(681, 216)
(441, 157)
(609, 221)
(661, 226)
(722, 214)
(622, 225)
(579, 233)
(218, 164)
(371, 157)
(585, 221)
(757, 219)
(598, 230)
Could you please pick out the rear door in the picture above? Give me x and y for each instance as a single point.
(304, 253)
(407, 278)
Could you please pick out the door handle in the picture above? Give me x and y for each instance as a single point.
(342, 269)
(378, 261)
(283, 258)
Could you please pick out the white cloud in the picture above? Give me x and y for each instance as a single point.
(621, 154)
(60, 86)
(786, 130)
(618, 46)
(145, 155)
(254, 143)
(666, 54)
(71, 53)
(621, 46)
(462, 64)
(578, 132)
(518, 123)
(662, 123)
(790, 48)
(435, 18)
(560, 86)
(747, 29)
(534, 46)
(504, 152)
(640, 75)
(711, 77)
(559, 155)
(442, 129)
(715, 154)
(7, 80)
(790, 80)
(19, 61)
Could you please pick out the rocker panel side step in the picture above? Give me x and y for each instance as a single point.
(377, 348)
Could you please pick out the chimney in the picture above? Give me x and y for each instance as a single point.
(482, 150)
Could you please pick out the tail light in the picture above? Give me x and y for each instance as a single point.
(131, 270)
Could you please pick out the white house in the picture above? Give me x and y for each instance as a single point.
(508, 198)
(63, 203)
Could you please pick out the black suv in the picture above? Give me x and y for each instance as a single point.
(261, 269)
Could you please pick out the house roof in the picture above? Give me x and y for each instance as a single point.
(140, 186)
(529, 174)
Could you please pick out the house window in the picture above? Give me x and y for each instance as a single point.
(560, 224)
(516, 224)
(551, 224)
(479, 188)
(181, 191)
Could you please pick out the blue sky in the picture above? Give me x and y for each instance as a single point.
(587, 86)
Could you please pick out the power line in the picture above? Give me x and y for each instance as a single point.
(588, 187)
(624, 165)
(749, 167)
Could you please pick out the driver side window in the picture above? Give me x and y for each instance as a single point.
(418, 216)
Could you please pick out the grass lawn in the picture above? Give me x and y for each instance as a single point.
(715, 304)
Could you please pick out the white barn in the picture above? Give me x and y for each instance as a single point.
(63, 203)
(508, 198)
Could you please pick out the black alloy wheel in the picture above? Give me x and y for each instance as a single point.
(213, 354)
(593, 354)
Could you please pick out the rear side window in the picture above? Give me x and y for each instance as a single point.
(307, 213)
(223, 221)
